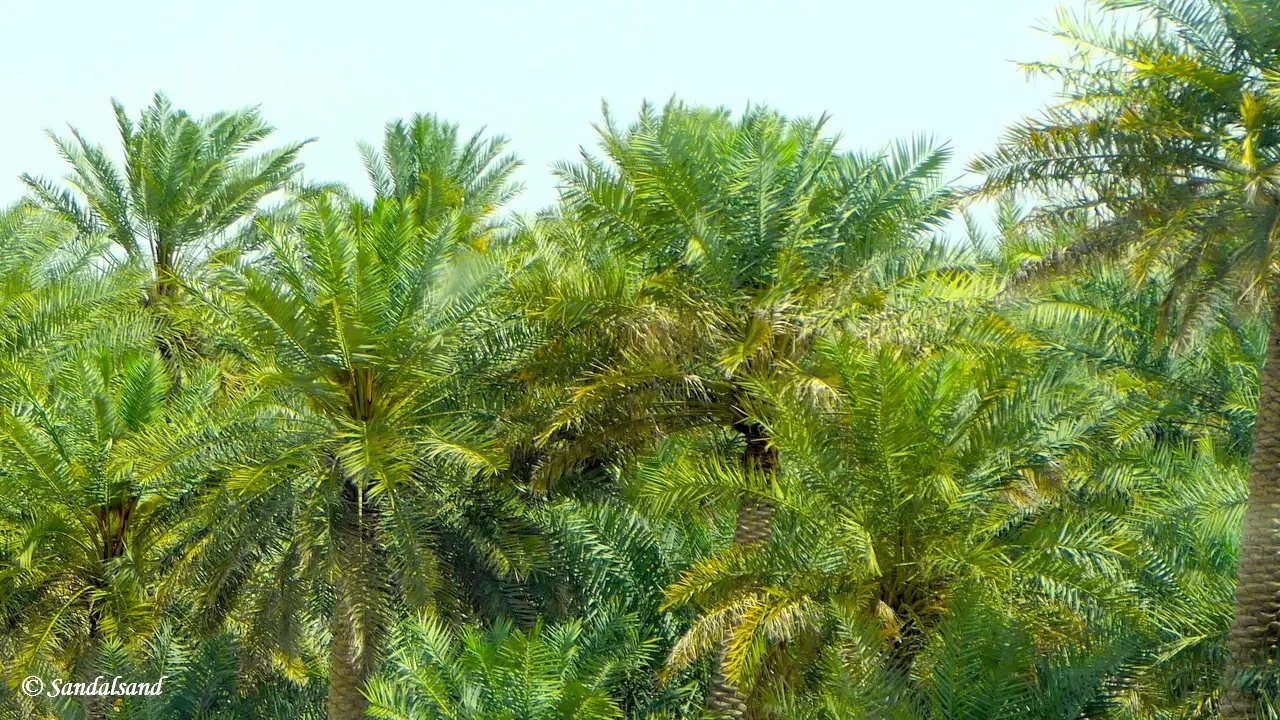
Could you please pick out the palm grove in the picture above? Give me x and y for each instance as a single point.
(737, 428)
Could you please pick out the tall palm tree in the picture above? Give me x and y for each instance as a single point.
(353, 327)
(1168, 143)
(728, 243)
(184, 182)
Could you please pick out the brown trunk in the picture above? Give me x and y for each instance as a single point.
(348, 671)
(754, 527)
(723, 699)
(760, 464)
(1256, 628)
(357, 593)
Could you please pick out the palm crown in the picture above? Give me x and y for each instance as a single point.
(184, 182)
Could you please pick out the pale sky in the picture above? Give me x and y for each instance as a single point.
(534, 71)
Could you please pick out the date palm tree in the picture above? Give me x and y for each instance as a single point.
(722, 245)
(54, 303)
(353, 328)
(102, 464)
(183, 184)
(452, 182)
(1167, 143)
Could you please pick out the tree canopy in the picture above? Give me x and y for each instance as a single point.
(748, 424)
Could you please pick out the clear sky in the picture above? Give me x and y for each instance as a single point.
(534, 71)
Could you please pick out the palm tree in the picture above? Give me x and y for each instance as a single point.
(453, 183)
(915, 481)
(184, 183)
(1168, 140)
(352, 326)
(1012, 473)
(727, 244)
(54, 304)
(102, 464)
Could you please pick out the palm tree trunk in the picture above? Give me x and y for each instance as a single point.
(95, 706)
(723, 699)
(760, 463)
(356, 623)
(754, 526)
(112, 524)
(347, 670)
(165, 285)
(1256, 628)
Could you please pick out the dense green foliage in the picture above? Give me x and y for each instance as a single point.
(743, 426)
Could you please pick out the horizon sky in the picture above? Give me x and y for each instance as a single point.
(535, 74)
